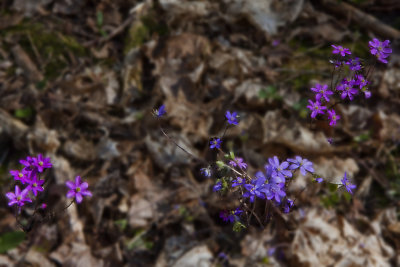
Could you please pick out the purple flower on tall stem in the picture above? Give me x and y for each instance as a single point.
(28, 163)
(206, 172)
(315, 108)
(78, 189)
(231, 117)
(304, 164)
(160, 111)
(279, 169)
(238, 162)
(238, 182)
(354, 64)
(333, 117)
(21, 176)
(18, 197)
(347, 88)
(322, 91)
(288, 206)
(41, 163)
(346, 183)
(275, 191)
(380, 49)
(337, 49)
(215, 143)
(255, 189)
(217, 186)
(35, 184)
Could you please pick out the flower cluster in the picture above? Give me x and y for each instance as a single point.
(29, 176)
(346, 87)
(271, 184)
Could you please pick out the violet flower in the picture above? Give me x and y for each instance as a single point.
(78, 189)
(41, 163)
(333, 117)
(304, 164)
(231, 117)
(337, 49)
(316, 108)
(346, 183)
(18, 197)
(322, 91)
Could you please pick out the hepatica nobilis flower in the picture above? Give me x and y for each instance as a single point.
(321, 91)
(346, 183)
(232, 117)
(380, 49)
(337, 49)
(78, 189)
(41, 163)
(333, 117)
(238, 162)
(316, 108)
(348, 89)
(215, 143)
(159, 112)
(19, 197)
(303, 164)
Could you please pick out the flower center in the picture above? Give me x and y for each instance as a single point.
(78, 189)
(41, 163)
(20, 175)
(334, 117)
(34, 184)
(19, 198)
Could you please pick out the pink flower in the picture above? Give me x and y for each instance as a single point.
(78, 189)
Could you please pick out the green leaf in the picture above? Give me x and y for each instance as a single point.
(122, 224)
(11, 240)
(238, 226)
(100, 18)
(220, 164)
(23, 113)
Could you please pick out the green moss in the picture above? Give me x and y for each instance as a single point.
(53, 47)
(141, 31)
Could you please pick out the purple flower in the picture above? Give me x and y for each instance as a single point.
(366, 92)
(319, 180)
(304, 164)
(336, 63)
(337, 49)
(223, 256)
(275, 191)
(78, 189)
(231, 117)
(18, 197)
(43, 206)
(41, 163)
(322, 91)
(217, 186)
(361, 81)
(255, 189)
(316, 108)
(215, 143)
(159, 112)
(238, 182)
(279, 169)
(276, 42)
(20, 175)
(206, 172)
(226, 216)
(333, 117)
(354, 64)
(347, 184)
(380, 49)
(35, 185)
(28, 162)
(288, 206)
(238, 162)
(348, 89)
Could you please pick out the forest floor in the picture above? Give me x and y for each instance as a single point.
(79, 81)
